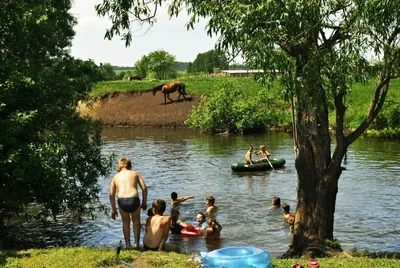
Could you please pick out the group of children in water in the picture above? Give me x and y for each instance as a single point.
(209, 228)
(158, 226)
(263, 152)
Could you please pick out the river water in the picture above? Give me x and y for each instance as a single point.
(190, 163)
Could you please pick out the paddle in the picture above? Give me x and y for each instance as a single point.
(269, 162)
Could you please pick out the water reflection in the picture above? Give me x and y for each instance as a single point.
(194, 164)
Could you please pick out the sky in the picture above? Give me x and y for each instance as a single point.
(167, 34)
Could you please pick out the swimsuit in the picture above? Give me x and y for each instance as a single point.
(129, 204)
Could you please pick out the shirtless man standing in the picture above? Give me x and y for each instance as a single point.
(125, 182)
(157, 227)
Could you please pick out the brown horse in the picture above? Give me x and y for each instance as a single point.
(170, 88)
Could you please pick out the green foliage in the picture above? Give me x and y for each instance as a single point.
(229, 110)
(107, 72)
(207, 62)
(49, 155)
(160, 63)
(181, 66)
(121, 75)
(142, 67)
(389, 118)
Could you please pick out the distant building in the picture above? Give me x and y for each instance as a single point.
(241, 73)
(246, 73)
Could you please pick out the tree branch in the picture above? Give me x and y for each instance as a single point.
(340, 128)
(377, 102)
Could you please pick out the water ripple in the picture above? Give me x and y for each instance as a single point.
(367, 208)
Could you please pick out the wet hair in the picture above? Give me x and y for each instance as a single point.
(202, 215)
(174, 195)
(251, 147)
(214, 223)
(159, 206)
(276, 201)
(262, 147)
(211, 199)
(150, 212)
(124, 163)
(286, 207)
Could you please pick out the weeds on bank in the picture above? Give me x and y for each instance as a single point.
(82, 257)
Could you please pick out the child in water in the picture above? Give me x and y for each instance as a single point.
(176, 225)
(213, 231)
(176, 201)
(288, 217)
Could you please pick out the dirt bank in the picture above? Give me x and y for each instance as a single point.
(139, 109)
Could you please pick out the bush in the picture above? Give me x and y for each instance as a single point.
(228, 110)
(388, 118)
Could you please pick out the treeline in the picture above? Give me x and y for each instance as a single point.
(209, 62)
(162, 65)
(179, 66)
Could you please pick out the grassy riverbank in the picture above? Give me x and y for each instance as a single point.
(82, 257)
(357, 100)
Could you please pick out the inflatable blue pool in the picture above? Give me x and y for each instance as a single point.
(237, 257)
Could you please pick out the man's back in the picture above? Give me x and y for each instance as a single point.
(126, 183)
(156, 227)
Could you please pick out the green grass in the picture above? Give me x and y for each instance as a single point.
(359, 98)
(82, 257)
(194, 85)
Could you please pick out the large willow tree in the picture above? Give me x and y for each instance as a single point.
(320, 47)
(50, 157)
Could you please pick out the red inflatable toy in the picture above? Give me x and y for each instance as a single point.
(190, 231)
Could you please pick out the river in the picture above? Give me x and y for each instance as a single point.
(191, 163)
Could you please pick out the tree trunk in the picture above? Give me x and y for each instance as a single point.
(318, 173)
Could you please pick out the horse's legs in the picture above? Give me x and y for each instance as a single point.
(169, 97)
(181, 92)
(165, 98)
